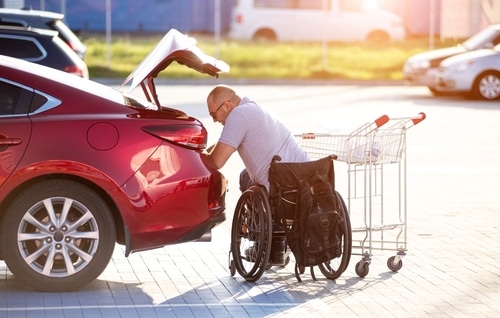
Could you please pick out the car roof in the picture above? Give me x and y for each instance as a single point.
(29, 13)
(30, 70)
(43, 20)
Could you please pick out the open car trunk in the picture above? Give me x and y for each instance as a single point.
(174, 46)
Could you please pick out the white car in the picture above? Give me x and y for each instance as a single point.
(420, 69)
(474, 74)
(312, 20)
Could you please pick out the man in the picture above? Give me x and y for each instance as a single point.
(254, 132)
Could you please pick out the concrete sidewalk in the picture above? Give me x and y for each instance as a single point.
(451, 268)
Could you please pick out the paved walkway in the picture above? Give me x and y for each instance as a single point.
(452, 268)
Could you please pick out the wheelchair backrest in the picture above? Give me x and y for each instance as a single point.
(284, 179)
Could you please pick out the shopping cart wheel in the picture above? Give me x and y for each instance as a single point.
(393, 265)
(362, 268)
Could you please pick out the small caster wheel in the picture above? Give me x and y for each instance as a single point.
(232, 268)
(394, 266)
(362, 268)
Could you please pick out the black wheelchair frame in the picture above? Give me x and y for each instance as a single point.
(258, 233)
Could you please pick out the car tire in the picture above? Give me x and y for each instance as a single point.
(378, 37)
(58, 235)
(435, 92)
(265, 36)
(487, 86)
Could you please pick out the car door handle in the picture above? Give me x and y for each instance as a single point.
(10, 141)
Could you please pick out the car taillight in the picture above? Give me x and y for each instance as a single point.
(74, 69)
(239, 18)
(185, 135)
(73, 46)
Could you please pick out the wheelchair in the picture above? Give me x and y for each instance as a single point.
(260, 226)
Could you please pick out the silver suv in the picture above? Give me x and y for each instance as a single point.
(41, 47)
(43, 20)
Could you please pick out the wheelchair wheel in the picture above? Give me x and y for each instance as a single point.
(335, 267)
(251, 233)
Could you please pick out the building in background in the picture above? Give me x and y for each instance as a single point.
(446, 18)
(468, 17)
(139, 15)
(457, 19)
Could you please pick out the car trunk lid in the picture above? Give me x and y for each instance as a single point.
(174, 46)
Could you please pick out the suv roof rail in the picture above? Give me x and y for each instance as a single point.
(28, 29)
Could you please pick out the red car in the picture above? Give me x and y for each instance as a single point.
(83, 166)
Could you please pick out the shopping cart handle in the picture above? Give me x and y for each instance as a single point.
(419, 119)
(382, 120)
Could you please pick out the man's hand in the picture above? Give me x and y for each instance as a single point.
(217, 155)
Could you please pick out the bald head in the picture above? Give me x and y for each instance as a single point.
(221, 93)
(221, 101)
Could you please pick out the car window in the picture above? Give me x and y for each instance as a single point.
(478, 40)
(22, 47)
(13, 22)
(14, 99)
(9, 95)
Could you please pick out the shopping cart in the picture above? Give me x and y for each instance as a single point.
(375, 156)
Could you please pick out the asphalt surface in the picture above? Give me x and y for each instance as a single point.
(451, 268)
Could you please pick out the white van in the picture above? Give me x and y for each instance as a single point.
(313, 20)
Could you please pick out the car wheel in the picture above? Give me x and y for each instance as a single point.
(435, 92)
(265, 35)
(487, 86)
(378, 37)
(58, 235)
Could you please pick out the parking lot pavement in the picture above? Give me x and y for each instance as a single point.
(451, 268)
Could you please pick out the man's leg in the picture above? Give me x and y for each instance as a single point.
(245, 181)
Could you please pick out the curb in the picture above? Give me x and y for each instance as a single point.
(250, 81)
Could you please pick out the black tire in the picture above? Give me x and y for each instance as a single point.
(265, 36)
(59, 235)
(335, 267)
(362, 268)
(232, 268)
(378, 37)
(487, 86)
(435, 92)
(251, 233)
(394, 267)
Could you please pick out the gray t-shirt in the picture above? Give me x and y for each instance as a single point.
(258, 136)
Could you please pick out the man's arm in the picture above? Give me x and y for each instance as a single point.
(218, 155)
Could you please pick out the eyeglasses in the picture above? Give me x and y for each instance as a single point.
(214, 113)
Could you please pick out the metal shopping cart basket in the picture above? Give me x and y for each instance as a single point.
(375, 157)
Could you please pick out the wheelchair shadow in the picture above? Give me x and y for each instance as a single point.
(275, 293)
